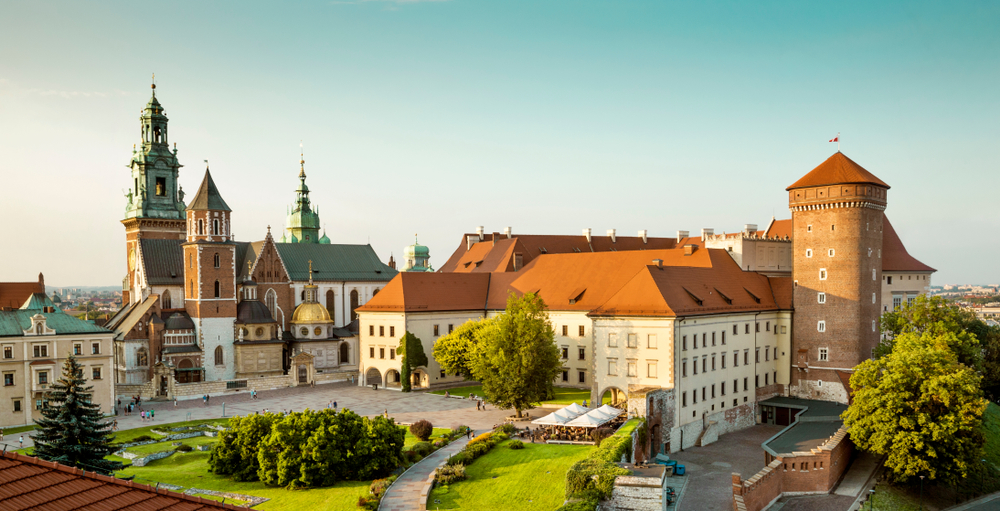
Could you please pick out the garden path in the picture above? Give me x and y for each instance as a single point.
(407, 492)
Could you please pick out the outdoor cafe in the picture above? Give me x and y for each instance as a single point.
(576, 424)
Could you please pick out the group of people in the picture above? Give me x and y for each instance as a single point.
(130, 407)
(20, 438)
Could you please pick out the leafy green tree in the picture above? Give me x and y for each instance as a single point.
(516, 358)
(236, 451)
(920, 406)
(73, 431)
(935, 314)
(990, 341)
(454, 351)
(413, 357)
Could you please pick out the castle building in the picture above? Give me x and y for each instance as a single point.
(204, 313)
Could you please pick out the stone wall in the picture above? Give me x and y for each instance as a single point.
(760, 490)
(726, 421)
(141, 462)
(183, 391)
(127, 391)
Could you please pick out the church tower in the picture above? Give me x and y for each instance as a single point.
(155, 207)
(837, 273)
(210, 271)
(302, 225)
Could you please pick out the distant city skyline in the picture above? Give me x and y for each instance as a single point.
(436, 117)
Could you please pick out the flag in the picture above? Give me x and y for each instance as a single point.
(836, 138)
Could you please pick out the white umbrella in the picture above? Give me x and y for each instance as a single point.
(577, 409)
(610, 410)
(590, 420)
(556, 418)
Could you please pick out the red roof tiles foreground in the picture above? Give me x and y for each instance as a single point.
(894, 254)
(422, 292)
(837, 169)
(30, 483)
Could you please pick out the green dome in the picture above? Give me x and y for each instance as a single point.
(324, 240)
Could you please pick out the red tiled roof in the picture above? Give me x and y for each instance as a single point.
(14, 294)
(779, 229)
(781, 288)
(426, 291)
(30, 483)
(894, 254)
(837, 169)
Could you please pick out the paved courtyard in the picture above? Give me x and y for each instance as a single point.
(710, 468)
(441, 411)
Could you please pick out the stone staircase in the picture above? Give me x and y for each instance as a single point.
(708, 435)
(633, 493)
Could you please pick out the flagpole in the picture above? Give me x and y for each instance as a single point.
(838, 141)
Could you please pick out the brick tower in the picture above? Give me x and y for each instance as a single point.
(155, 206)
(837, 269)
(210, 273)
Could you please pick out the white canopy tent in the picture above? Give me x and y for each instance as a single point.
(562, 416)
(589, 420)
(610, 410)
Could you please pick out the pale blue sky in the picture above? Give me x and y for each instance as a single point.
(436, 117)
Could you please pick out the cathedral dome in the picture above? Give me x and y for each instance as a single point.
(311, 313)
(324, 240)
(416, 250)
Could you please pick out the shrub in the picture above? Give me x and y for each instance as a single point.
(379, 486)
(600, 434)
(499, 437)
(477, 450)
(368, 503)
(592, 478)
(485, 437)
(440, 443)
(141, 438)
(422, 429)
(458, 431)
(507, 428)
(516, 444)
(422, 448)
(449, 474)
(410, 456)
(461, 457)
(184, 448)
(587, 504)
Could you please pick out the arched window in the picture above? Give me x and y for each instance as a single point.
(271, 300)
(165, 299)
(215, 227)
(354, 304)
(141, 357)
(345, 354)
(216, 288)
(218, 356)
(303, 295)
(216, 260)
(375, 292)
(201, 227)
(330, 307)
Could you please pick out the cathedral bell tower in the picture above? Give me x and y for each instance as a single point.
(303, 220)
(210, 271)
(155, 204)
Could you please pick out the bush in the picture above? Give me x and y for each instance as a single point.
(422, 429)
(600, 434)
(587, 504)
(142, 438)
(499, 437)
(592, 478)
(485, 437)
(410, 456)
(422, 448)
(516, 444)
(184, 448)
(440, 443)
(449, 474)
(461, 457)
(379, 486)
(507, 428)
(368, 503)
(458, 431)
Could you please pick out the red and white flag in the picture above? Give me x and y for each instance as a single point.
(836, 138)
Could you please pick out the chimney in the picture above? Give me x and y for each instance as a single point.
(750, 229)
(642, 234)
(658, 263)
(690, 248)
(682, 234)
(506, 232)
(469, 241)
(586, 234)
(496, 236)
(480, 230)
(706, 232)
(611, 234)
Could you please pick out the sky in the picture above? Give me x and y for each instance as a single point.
(434, 117)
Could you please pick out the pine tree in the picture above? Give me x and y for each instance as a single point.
(73, 431)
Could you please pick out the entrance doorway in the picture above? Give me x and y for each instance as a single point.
(303, 374)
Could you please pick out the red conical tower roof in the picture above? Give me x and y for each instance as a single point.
(837, 169)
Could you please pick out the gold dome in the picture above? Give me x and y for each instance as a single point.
(311, 312)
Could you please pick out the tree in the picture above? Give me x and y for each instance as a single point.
(920, 406)
(454, 351)
(516, 358)
(73, 431)
(236, 451)
(935, 314)
(413, 357)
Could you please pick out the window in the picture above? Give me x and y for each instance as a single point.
(95, 373)
(684, 399)
(767, 326)
(747, 328)
(651, 341)
(582, 330)
(215, 226)
(694, 396)
(824, 354)
(633, 341)
(713, 338)
(756, 381)
(451, 328)
(873, 325)
(371, 330)
(43, 377)
(736, 388)
(745, 386)
(17, 405)
(809, 228)
(583, 376)
(95, 349)
(612, 367)
(217, 262)
(897, 301)
(833, 227)
(723, 337)
(784, 329)
(821, 326)
(830, 252)
(704, 340)
(713, 361)
(8, 352)
(746, 357)
(767, 379)
(371, 352)
(565, 353)
(436, 331)
(218, 356)
(694, 366)
(217, 289)
(767, 353)
(819, 383)
(722, 388)
(756, 327)
(776, 353)
(756, 356)
(873, 274)
(821, 297)
(713, 391)
(889, 280)
(723, 357)
(392, 353)
(8, 379)
(565, 376)
(392, 331)
(201, 227)
(684, 368)
(582, 353)
(565, 329)
(822, 274)
(704, 363)
(809, 252)
(381, 331)
(684, 342)
(613, 340)
(873, 297)
(651, 369)
(38, 404)
(632, 368)
(735, 332)
(77, 349)
(736, 359)
(41, 350)
(704, 393)
(381, 353)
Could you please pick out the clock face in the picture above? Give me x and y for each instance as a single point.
(131, 260)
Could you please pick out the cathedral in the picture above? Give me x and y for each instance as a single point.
(200, 307)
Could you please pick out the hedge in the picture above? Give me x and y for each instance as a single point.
(593, 478)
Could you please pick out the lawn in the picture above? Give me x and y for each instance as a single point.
(564, 395)
(533, 478)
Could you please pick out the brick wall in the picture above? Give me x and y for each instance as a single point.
(760, 490)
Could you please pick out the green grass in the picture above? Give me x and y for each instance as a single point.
(891, 498)
(533, 478)
(563, 395)
(435, 435)
(128, 435)
(991, 428)
(143, 450)
(191, 471)
(16, 431)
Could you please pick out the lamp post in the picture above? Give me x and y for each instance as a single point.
(871, 500)
(921, 493)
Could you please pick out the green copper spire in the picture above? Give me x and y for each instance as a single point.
(154, 192)
(417, 257)
(303, 223)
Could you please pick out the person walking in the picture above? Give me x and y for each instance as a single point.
(477, 405)
(114, 427)
(21, 441)
(1, 434)
(468, 433)
(335, 406)
(152, 413)
(175, 402)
